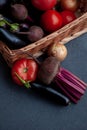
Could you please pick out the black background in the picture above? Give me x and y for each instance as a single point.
(24, 109)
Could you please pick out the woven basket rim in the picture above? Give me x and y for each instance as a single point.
(54, 34)
(63, 35)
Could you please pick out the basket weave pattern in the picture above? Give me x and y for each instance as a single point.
(63, 35)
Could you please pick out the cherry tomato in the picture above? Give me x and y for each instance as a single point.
(24, 71)
(71, 5)
(44, 4)
(67, 16)
(51, 21)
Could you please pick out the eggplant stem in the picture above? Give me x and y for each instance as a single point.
(11, 25)
(25, 83)
(6, 22)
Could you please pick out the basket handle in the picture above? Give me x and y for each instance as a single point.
(73, 36)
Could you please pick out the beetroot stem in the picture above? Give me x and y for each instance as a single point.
(72, 91)
(75, 77)
(29, 19)
(65, 91)
(73, 80)
(70, 83)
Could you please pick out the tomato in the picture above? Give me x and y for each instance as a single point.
(67, 16)
(71, 5)
(44, 4)
(24, 71)
(51, 21)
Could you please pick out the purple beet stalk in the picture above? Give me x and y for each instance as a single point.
(72, 86)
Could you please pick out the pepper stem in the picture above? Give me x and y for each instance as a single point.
(25, 83)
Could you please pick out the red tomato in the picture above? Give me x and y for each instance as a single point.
(44, 4)
(26, 69)
(71, 5)
(51, 21)
(67, 16)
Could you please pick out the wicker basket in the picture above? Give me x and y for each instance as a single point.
(63, 35)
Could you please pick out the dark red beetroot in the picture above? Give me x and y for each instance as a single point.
(48, 70)
(20, 12)
(34, 34)
(69, 84)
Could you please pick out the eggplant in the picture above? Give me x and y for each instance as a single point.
(11, 40)
(53, 94)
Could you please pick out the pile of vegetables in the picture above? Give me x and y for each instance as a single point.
(24, 73)
(29, 21)
(32, 20)
(49, 76)
(64, 80)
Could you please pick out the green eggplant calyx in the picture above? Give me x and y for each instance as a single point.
(13, 26)
(25, 83)
(2, 23)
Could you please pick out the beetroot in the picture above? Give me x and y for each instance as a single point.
(20, 12)
(34, 34)
(70, 85)
(48, 70)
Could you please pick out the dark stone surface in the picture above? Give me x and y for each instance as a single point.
(22, 109)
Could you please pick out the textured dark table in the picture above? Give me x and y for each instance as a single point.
(22, 109)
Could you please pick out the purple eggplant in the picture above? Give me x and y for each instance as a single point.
(51, 93)
(11, 40)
